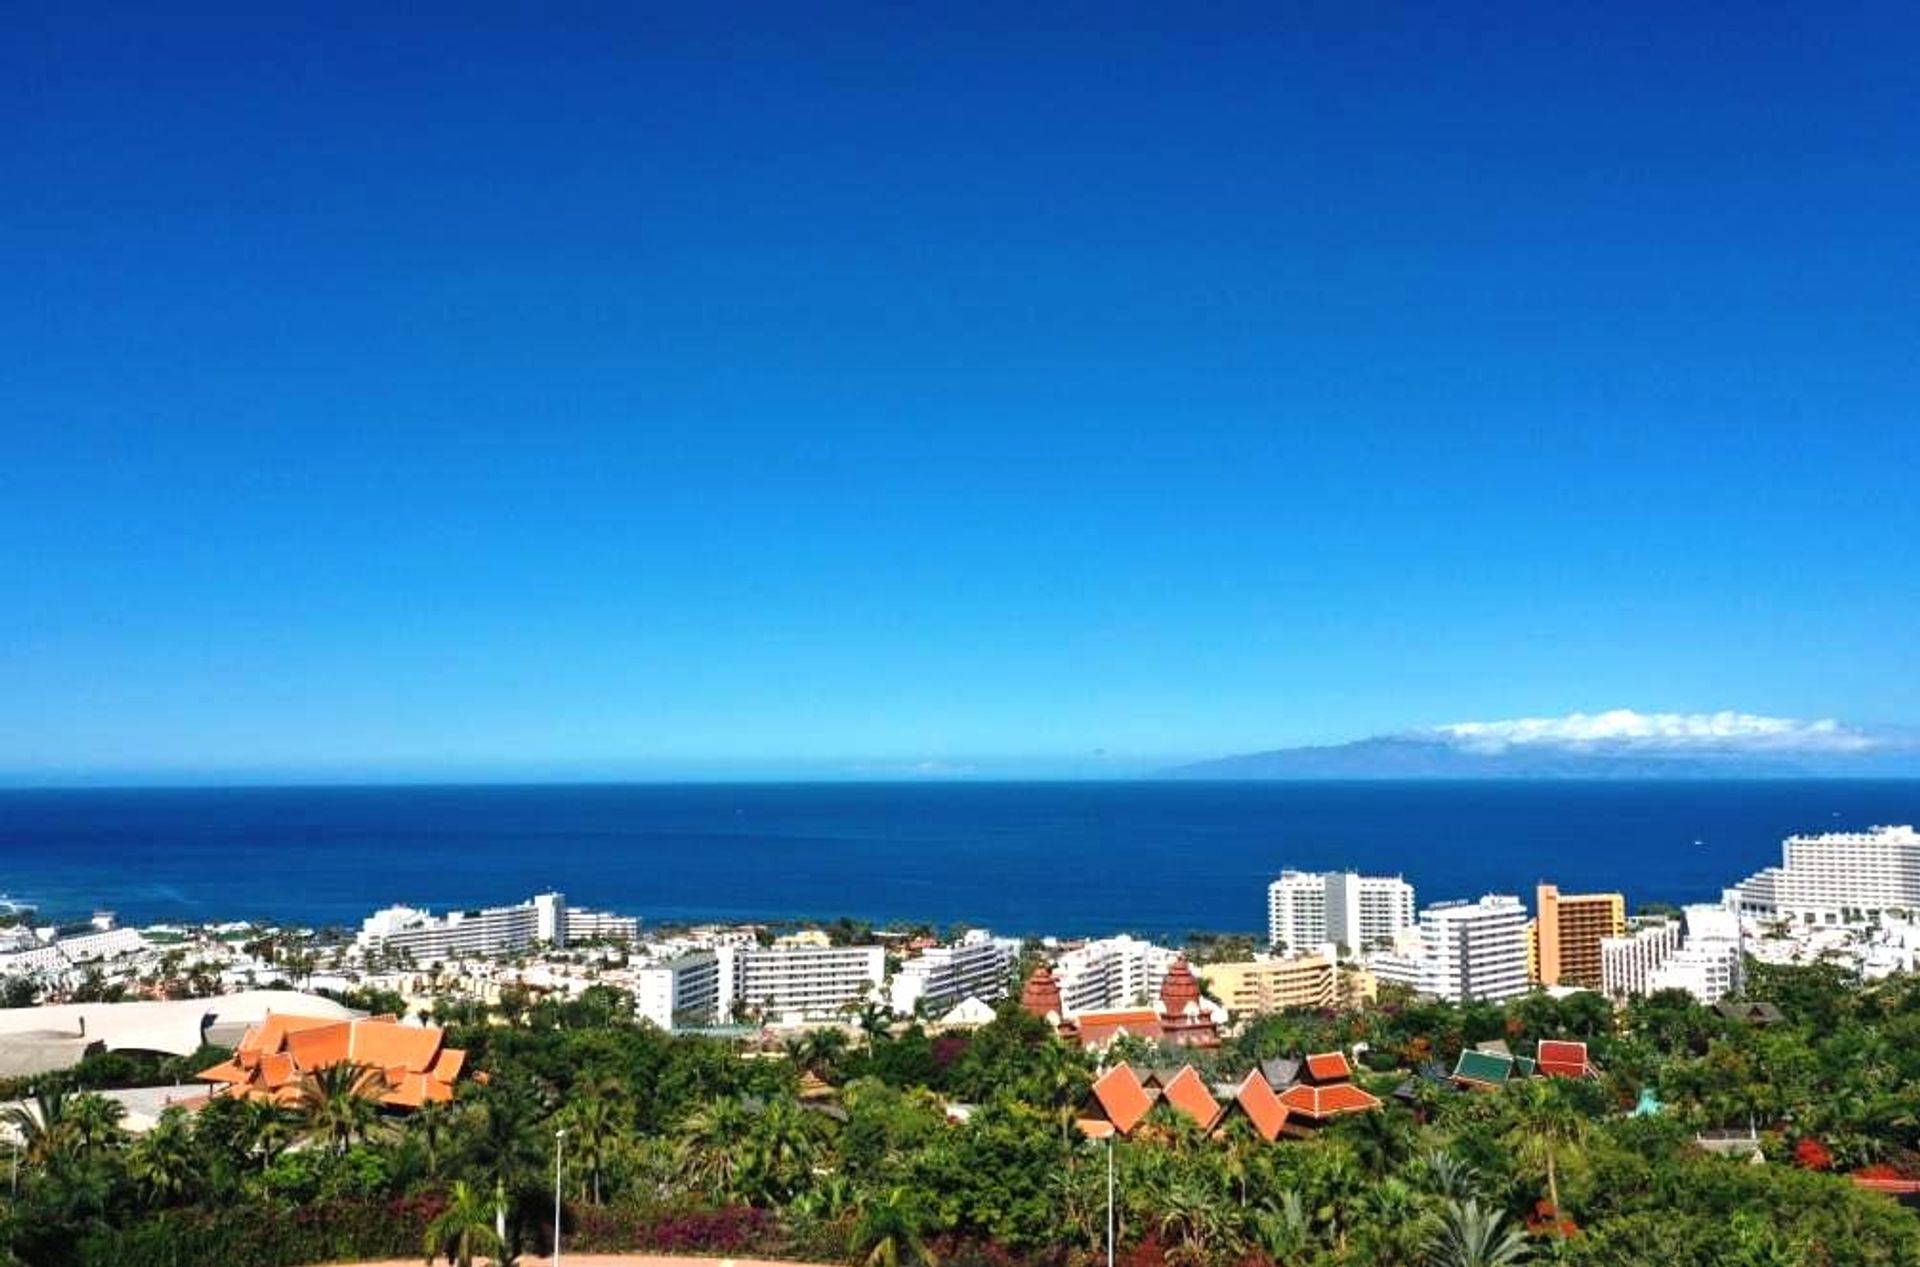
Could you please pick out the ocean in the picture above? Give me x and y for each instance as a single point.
(1153, 858)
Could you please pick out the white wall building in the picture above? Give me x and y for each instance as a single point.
(680, 992)
(807, 983)
(1110, 972)
(979, 966)
(585, 925)
(1626, 963)
(1475, 950)
(427, 938)
(1309, 909)
(1836, 878)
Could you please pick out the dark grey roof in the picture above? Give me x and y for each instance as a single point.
(1281, 1072)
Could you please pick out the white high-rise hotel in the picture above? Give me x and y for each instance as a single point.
(1474, 950)
(1309, 909)
(1843, 877)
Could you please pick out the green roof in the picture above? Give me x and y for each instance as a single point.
(1524, 1066)
(1483, 1066)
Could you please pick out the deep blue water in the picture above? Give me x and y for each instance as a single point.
(1017, 857)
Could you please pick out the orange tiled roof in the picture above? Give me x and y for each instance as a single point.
(410, 1066)
(1121, 1098)
(1262, 1107)
(1563, 1059)
(1098, 1028)
(1189, 1094)
(1327, 1101)
(1328, 1066)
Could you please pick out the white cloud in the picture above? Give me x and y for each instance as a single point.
(1619, 728)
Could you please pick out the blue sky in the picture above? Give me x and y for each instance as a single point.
(775, 392)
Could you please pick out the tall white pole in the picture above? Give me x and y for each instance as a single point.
(559, 1137)
(1109, 1201)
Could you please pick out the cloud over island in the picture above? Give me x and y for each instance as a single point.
(1624, 729)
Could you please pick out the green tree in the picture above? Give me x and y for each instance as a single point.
(1473, 1236)
(340, 1103)
(891, 1231)
(466, 1227)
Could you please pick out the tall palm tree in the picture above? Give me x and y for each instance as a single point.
(341, 1103)
(1546, 1130)
(714, 1137)
(163, 1161)
(93, 1122)
(593, 1129)
(270, 1130)
(41, 1126)
(781, 1148)
(891, 1232)
(465, 1227)
(429, 1125)
(1473, 1236)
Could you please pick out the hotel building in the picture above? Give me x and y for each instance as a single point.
(807, 983)
(1276, 983)
(1112, 972)
(497, 930)
(1844, 877)
(978, 966)
(1627, 961)
(1474, 950)
(1568, 930)
(1309, 909)
(584, 925)
(1706, 963)
(681, 992)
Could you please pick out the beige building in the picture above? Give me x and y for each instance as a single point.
(1273, 984)
(1567, 931)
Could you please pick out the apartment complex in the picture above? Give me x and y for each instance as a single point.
(1706, 962)
(1274, 983)
(1113, 972)
(1845, 877)
(806, 983)
(681, 992)
(426, 938)
(584, 926)
(1309, 909)
(978, 966)
(1568, 930)
(1474, 950)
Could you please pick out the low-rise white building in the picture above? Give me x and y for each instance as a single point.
(584, 925)
(497, 930)
(977, 965)
(804, 983)
(679, 992)
(1112, 972)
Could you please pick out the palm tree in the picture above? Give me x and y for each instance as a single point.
(1192, 1216)
(163, 1162)
(1472, 1236)
(341, 1103)
(93, 1122)
(1451, 1177)
(40, 1126)
(593, 1127)
(465, 1227)
(714, 1136)
(780, 1151)
(1547, 1130)
(429, 1124)
(269, 1130)
(890, 1232)
(1283, 1227)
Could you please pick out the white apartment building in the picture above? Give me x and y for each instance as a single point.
(1309, 909)
(585, 925)
(809, 983)
(977, 966)
(1627, 963)
(680, 992)
(35, 958)
(1843, 877)
(1475, 950)
(1706, 962)
(1110, 972)
(497, 930)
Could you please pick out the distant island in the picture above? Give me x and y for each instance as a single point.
(1620, 744)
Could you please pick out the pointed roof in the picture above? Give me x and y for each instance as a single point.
(1323, 1102)
(1120, 1098)
(1563, 1059)
(1483, 1068)
(1188, 1093)
(1257, 1100)
(1041, 994)
(409, 1065)
(1328, 1066)
(1280, 1072)
(1179, 990)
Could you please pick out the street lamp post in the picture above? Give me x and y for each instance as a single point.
(559, 1137)
(1109, 1200)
